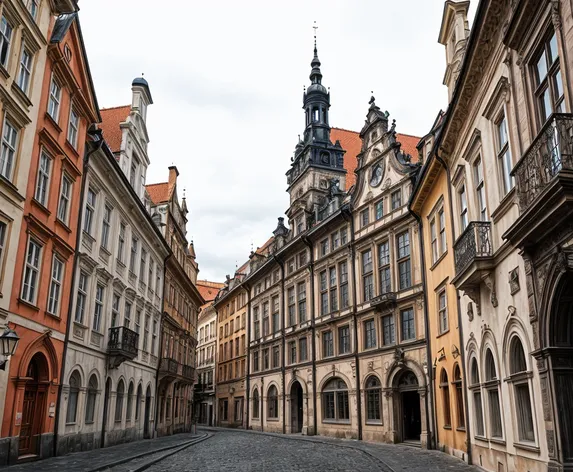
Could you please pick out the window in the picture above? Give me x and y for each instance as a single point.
(443, 311)
(55, 286)
(121, 242)
(256, 404)
(384, 268)
(119, 401)
(91, 399)
(301, 263)
(396, 198)
(54, 100)
(154, 338)
(327, 344)
(324, 247)
(137, 321)
(335, 401)
(343, 280)
(461, 419)
(146, 332)
(255, 361)
(75, 384)
(292, 352)
(266, 359)
(434, 240)
(127, 316)
(276, 357)
(504, 155)
(364, 217)
(129, 402)
(404, 269)
(3, 231)
(369, 334)
(290, 269)
(480, 189)
(106, 226)
(90, 210)
(65, 197)
(266, 326)
(138, 402)
(301, 289)
(373, 393)
(73, 128)
(224, 405)
(5, 38)
(367, 276)
(335, 240)
(31, 272)
(114, 310)
(98, 310)
(548, 81)
(477, 401)
(133, 256)
(273, 402)
(520, 383)
(442, 227)
(380, 209)
(445, 387)
(150, 274)
(492, 387)
(323, 294)
(8, 151)
(32, 7)
(133, 172)
(275, 317)
(42, 182)
(25, 71)
(291, 307)
(343, 340)
(388, 330)
(408, 328)
(302, 350)
(333, 290)
(463, 208)
(343, 236)
(81, 297)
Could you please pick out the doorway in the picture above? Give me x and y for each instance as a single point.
(296, 408)
(106, 400)
(33, 406)
(210, 415)
(146, 429)
(409, 407)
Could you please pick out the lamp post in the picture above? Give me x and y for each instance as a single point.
(8, 344)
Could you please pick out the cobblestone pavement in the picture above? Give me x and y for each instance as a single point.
(245, 451)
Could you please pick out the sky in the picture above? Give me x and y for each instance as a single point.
(227, 80)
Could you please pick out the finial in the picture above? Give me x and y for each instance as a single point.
(184, 190)
(252, 246)
(315, 28)
(371, 102)
(142, 74)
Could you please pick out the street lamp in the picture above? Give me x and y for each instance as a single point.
(8, 343)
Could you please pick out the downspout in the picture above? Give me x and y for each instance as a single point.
(313, 331)
(460, 325)
(247, 361)
(87, 155)
(348, 217)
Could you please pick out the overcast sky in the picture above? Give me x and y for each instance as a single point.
(227, 78)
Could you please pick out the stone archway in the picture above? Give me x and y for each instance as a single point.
(408, 412)
(296, 407)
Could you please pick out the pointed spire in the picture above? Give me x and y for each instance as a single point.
(315, 74)
(184, 203)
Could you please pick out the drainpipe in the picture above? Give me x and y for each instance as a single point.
(97, 133)
(460, 325)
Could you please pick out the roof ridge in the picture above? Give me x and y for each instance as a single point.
(115, 108)
(409, 135)
(345, 129)
(157, 183)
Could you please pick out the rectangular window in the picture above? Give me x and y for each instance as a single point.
(121, 242)
(115, 310)
(323, 294)
(89, 211)
(504, 155)
(105, 228)
(463, 208)
(65, 197)
(137, 321)
(292, 352)
(343, 340)
(154, 338)
(301, 289)
(54, 100)
(150, 274)
(256, 361)
(333, 290)
(290, 267)
(43, 179)
(266, 326)
(384, 267)
(55, 286)
(364, 217)
(31, 272)
(257, 323)
(548, 80)
(324, 247)
(343, 280)
(442, 226)
(343, 237)
(73, 127)
(396, 198)
(98, 310)
(133, 256)
(266, 359)
(404, 268)
(434, 240)
(327, 344)
(303, 353)
(369, 334)
(146, 332)
(3, 231)
(388, 330)
(275, 320)
(408, 327)
(276, 357)
(81, 297)
(443, 311)
(8, 151)
(480, 189)
(127, 316)
(367, 277)
(380, 209)
(291, 307)
(5, 38)
(301, 261)
(25, 71)
(32, 6)
(335, 240)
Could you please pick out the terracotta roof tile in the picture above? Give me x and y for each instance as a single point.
(110, 121)
(158, 193)
(208, 290)
(409, 144)
(264, 249)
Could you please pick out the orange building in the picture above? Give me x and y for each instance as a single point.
(43, 269)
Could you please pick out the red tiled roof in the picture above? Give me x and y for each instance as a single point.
(208, 290)
(351, 143)
(158, 193)
(264, 249)
(110, 120)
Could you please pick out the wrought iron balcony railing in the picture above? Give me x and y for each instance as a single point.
(473, 245)
(550, 153)
(122, 345)
(386, 299)
(188, 372)
(168, 365)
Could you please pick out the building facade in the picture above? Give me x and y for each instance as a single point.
(112, 345)
(181, 303)
(205, 401)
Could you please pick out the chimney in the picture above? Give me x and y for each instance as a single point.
(173, 174)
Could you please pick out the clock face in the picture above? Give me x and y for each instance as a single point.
(376, 175)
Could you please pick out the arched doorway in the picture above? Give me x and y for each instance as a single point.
(33, 406)
(106, 400)
(146, 426)
(561, 343)
(410, 417)
(296, 407)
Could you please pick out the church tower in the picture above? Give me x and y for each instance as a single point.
(317, 162)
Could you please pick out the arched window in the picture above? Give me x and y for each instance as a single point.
(138, 402)
(461, 418)
(445, 386)
(475, 388)
(335, 401)
(520, 380)
(129, 401)
(91, 399)
(75, 382)
(373, 392)
(272, 402)
(492, 388)
(119, 400)
(256, 404)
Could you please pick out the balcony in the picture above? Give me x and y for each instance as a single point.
(385, 301)
(122, 345)
(189, 372)
(544, 182)
(473, 255)
(168, 368)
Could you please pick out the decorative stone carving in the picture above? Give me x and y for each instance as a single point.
(470, 311)
(555, 17)
(420, 302)
(353, 367)
(489, 281)
(474, 295)
(514, 281)
(370, 366)
(511, 311)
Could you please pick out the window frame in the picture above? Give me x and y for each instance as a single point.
(404, 260)
(31, 295)
(9, 148)
(412, 320)
(54, 99)
(65, 199)
(43, 178)
(24, 75)
(55, 287)
(73, 128)
(5, 38)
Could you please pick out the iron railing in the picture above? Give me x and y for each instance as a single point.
(188, 372)
(123, 339)
(388, 298)
(473, 244)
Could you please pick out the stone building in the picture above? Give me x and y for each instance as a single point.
(181, 302)
(113, 343)
(231, 369)
(41, 165)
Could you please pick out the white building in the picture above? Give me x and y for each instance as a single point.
(206, 355)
